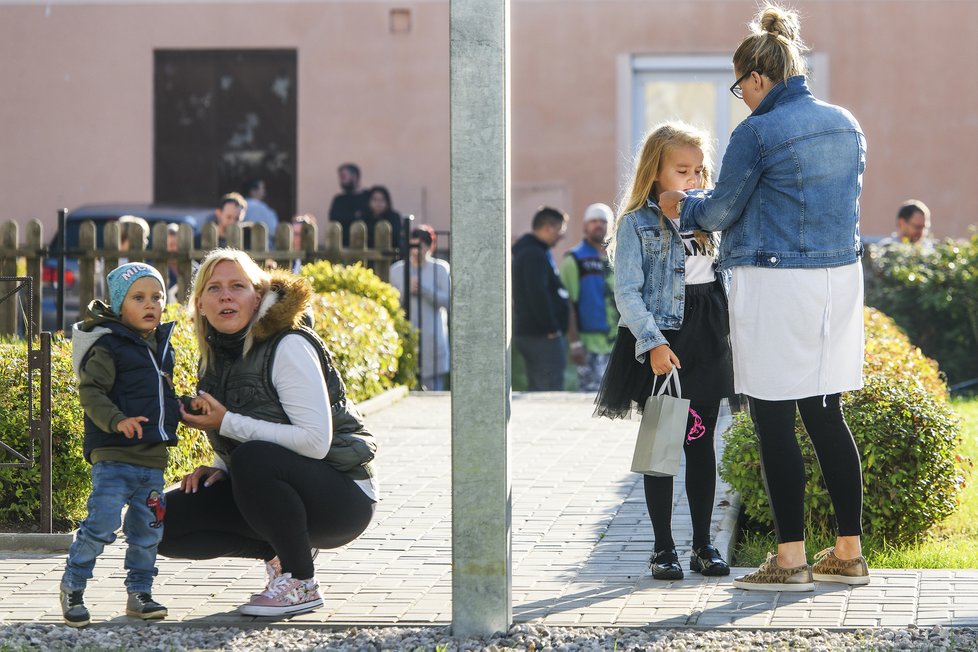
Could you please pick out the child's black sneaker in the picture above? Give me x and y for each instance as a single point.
(665, 565)
(73, 608)
(142, 605)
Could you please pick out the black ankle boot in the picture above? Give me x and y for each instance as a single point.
(707, 561)
(665, 565)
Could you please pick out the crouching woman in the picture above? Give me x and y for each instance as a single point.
(292, 468)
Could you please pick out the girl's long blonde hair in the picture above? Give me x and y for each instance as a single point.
(259, 279)
(662, 139)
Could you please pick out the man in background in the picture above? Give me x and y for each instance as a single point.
(540, 308)
(587, 276)
(351, 203)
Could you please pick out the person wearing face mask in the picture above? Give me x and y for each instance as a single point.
(787, 204)
(430, 291)
(292, 469)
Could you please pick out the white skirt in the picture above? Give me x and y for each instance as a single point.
(796, 333)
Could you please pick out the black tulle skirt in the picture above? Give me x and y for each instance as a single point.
(702, 346)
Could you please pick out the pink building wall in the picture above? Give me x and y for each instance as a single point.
(76, 111)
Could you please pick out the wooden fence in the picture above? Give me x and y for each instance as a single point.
(28, 259)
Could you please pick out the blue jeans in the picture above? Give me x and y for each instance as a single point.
(114, 485)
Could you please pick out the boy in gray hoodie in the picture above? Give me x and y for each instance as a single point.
(122, 356)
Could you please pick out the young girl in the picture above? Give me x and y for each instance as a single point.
(674, 312)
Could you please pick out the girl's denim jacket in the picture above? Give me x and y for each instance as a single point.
(788, 191)
(650, 277)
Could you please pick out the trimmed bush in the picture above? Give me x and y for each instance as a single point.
(905, 431)
(359, 281)
(933, 296)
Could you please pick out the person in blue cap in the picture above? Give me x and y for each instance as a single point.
(121, 354)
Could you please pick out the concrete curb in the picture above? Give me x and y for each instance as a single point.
(36, 542)
(382, 401)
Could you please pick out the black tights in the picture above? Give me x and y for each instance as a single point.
(276, 502)
(784, 469)
(701, 481)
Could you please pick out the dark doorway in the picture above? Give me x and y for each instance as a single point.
(222, 117)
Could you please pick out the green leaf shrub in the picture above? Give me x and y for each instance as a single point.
(356, 280)
(932, 294)
(906, 433)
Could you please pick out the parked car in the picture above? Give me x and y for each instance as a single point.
(101, 214)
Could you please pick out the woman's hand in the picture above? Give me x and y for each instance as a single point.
(663, 360)
(669, 202)
(213, 413)
(208, 474)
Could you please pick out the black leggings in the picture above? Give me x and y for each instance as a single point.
(701, 481)
(276, 502)
(784, 469)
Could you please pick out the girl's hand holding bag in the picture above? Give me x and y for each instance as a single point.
(659, 447)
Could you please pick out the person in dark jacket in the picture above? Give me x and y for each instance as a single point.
(379, 209)
(292, 455)
(122, 356)
(540, 302)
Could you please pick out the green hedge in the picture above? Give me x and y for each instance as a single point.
(357, 315)
(359, 281)
(932, 294)
(905, 431)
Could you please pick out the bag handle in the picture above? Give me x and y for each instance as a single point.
(672, 377)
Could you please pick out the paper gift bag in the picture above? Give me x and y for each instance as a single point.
(659, 447)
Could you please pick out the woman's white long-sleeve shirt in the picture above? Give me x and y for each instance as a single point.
(297, 376)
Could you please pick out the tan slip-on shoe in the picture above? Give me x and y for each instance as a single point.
(829, 568)
(771, 577)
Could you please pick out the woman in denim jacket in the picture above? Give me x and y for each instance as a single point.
(787, 204)
(673, 314)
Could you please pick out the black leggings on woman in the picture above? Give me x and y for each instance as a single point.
(276, 502)
(701, 480)
(784, 469)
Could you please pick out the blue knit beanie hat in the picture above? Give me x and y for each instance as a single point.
(122, 277)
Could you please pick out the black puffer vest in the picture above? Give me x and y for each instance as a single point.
(143, 387)
(244, 386)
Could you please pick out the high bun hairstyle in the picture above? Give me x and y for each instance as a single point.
(774, 48)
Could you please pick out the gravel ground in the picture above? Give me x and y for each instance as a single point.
(166, 638)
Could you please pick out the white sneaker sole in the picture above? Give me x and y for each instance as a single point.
(291, 610)
(861, 580)
(77, 623)
(794, 588)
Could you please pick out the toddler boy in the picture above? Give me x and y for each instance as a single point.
(122, 356)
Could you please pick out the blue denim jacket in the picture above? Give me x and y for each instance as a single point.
(788, 192)
(650, 277)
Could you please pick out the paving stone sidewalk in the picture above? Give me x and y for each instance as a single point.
(581, 542)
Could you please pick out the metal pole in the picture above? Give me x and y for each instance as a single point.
(61, 242)
(482, 519)
(47, 457)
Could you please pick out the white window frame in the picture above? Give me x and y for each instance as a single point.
(635, 69)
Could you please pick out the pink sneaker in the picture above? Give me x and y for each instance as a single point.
(273, 569)
(285, 596)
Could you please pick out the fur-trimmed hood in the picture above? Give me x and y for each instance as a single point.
(283, 306)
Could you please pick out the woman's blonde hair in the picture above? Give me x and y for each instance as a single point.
(259, 278)
(774, 48)
(662, 139)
